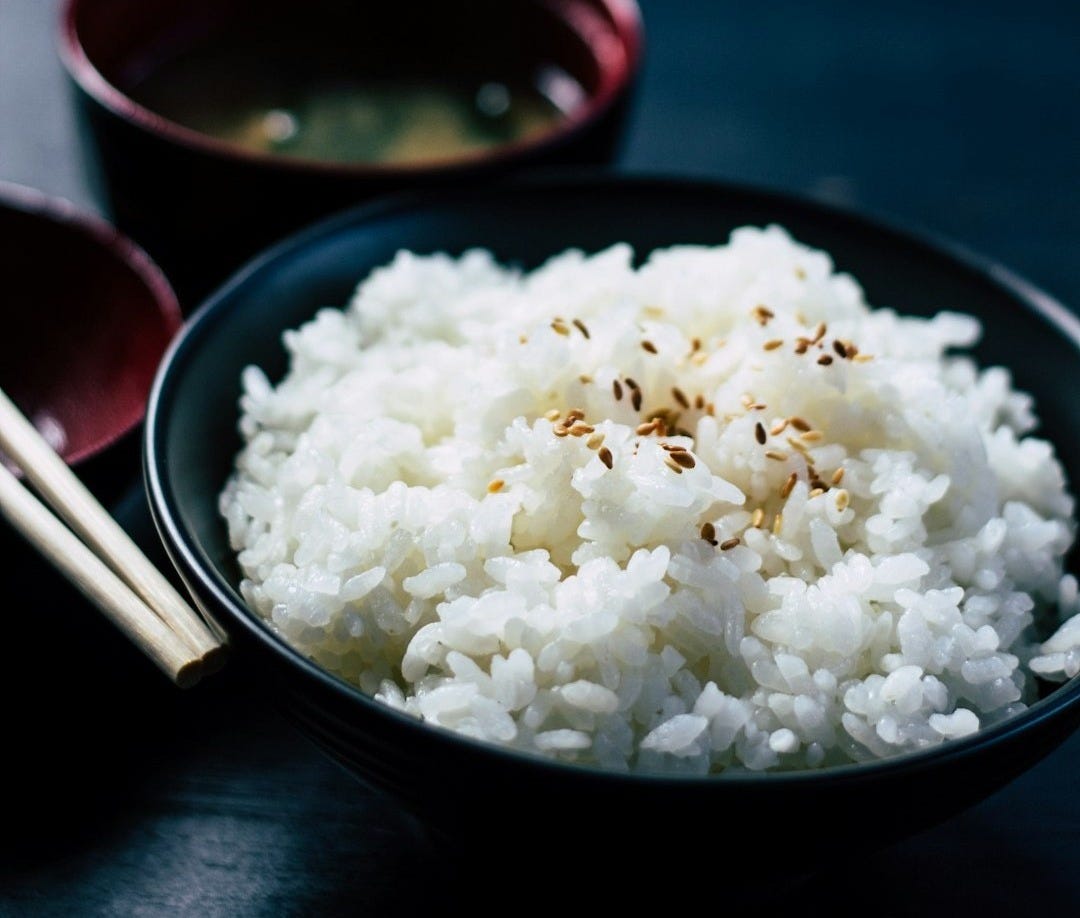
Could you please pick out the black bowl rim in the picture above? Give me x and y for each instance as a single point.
(625, 14)
(183, 547)
(119, 251)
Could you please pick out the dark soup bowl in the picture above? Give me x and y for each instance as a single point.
(220, 125)
(464, 787)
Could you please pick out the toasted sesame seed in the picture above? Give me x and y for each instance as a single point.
(708, 532)
(643, 430)
(778, 523)
(824, 360)
(673, 448)
(776, 454)
(699, 401)
(838, 476)
(840, 347)
(648, 346)
(680, 396)
(673, 465)
(729, 544)
(661, 427)
(852, 351)
(580, 326)
(710, 409)
(819, 332)
(552, 414)
(778, 428)
(757, 518)
(800, 273)
(842, 500)
(580, 429)
(695, 345)
(686, 460)
(801, 345)
(863, 358)
(632, 383)
(798, 445)
(773, 344)
(699, 359)
(757, 406)
(616, 388)
(799, 424)
(747, 400)
(585, 378)
(560, 327)
(635, 399)
(762, 314)
(495, 485)
(817, 492)
(560, 430)
(759, 433)
(605, 456)
(812, 436)
(787, 486)
(575, 414)
(523, 339)
(595, 440)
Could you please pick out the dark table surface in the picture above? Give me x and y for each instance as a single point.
(124, 796)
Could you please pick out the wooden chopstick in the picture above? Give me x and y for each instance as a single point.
(68, 496)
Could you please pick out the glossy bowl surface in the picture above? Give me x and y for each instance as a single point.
(87, 317)
(201, 206)
(467, 788)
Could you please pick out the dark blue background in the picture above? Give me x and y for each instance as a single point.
(960, 117)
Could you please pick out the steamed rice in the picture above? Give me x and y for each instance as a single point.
(780, 529)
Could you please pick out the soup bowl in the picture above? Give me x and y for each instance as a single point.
(465, 788)
(201, 204)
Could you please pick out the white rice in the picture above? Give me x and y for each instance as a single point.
(410, 511)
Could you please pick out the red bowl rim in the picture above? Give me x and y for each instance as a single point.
(122, 250)
(617, 75)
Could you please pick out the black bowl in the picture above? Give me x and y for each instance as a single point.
(467, 788)
(202, 206)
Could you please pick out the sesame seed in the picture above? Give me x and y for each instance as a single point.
(800, 274)
(778, 523)
(762, 314)
(840, 347)
(680, 396)
(699, 359)
(817, 492)
(635, 399)
(552, 414)
(824, 360)
(575, 414)
(778, 428)
(757, 518)
(759, 433)
(695, 345)
(523, 339)
(772, 345)
(799, 424)
(585, 378)
(684, 459)
(812, 436)
(495, 486)
(616, 388)
(729, 544)
(710, 409)
(819, 332)
(648, 346)
(699, 401)
(801, 345)
(643, 430)
(775, 454)
(747, 400)
(559, 327)
(580, 326)
(852, 351)
(708, 532)
(842, 500)
(798, 445)
(579, 429)
(673, 448)
(838, 476)
(605, 456)
(788, 485)
(595, 440)
(863, 358)
(757, 406)
(560, 430)
(631, 383)
(673, 465)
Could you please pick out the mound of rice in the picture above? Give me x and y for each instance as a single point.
(710, 513)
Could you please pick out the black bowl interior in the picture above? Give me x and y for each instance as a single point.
(192, 439)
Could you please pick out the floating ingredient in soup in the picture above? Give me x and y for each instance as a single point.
(347, 119)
